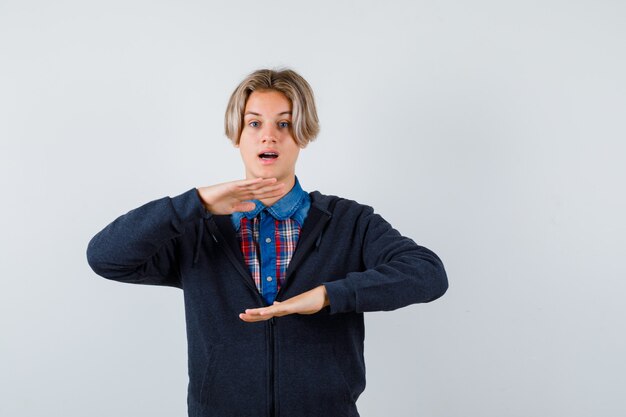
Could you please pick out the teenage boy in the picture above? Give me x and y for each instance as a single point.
(275, 279)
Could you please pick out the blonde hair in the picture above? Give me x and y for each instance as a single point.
(305, 125)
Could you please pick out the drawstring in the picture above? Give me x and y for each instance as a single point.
(199, 241)
(331, 208)
(201, 226)
(319, 239)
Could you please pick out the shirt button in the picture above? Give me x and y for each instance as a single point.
(268, 240)
(269, 279)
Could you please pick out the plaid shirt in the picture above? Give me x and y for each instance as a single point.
(268, 237)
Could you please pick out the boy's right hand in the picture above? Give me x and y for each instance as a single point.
(229, 197)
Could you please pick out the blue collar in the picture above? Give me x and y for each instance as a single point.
(282, 209)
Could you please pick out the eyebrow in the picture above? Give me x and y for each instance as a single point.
(258, 114)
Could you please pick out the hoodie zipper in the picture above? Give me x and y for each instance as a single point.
(272, 402)
(272, 411)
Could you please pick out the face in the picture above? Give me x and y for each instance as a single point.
(267, 148)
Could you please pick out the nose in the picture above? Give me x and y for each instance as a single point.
(269, 135)
(268, 139)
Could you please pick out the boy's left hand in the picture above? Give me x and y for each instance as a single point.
(309, 302)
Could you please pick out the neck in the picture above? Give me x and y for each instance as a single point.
(289, 183)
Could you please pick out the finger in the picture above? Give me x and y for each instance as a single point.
(261, 194)
(250, 181)
(260, 197)
(275, 310)
(238, 185)
(245, 206)
(263, 311)
(252, 319)
(261, 189)
(254, 183)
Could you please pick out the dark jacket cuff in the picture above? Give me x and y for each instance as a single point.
(188, 206)
(341, 296)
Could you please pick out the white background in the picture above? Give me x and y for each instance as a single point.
(491, 132)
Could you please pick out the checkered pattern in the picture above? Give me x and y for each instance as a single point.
(286, 233)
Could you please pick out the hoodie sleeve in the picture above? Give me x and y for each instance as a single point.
(398, 272)
(140, 246)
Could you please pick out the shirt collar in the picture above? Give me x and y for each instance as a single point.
(280, 210)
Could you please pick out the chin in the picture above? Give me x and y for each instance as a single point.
(265, 174)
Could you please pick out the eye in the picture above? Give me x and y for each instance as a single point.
(283, 124)
(254, 123)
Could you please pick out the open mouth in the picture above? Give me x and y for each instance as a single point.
(268, 155)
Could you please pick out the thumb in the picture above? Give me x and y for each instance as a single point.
(244, 206)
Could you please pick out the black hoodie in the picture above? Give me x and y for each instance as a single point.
(290, 366)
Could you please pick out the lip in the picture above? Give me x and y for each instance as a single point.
(268, 150)
(268, 161)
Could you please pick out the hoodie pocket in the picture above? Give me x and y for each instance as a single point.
(311, 383)
(208, 376)
(234, 382)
